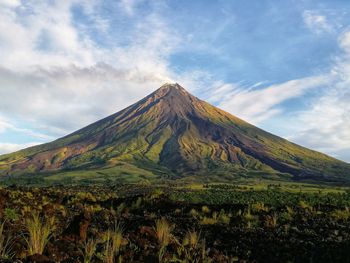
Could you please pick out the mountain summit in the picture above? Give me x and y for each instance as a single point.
(172, 134)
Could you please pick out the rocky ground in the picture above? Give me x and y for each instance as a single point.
(159, 224)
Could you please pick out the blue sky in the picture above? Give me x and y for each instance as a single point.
(281, 65)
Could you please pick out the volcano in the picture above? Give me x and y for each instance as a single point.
(171, 134)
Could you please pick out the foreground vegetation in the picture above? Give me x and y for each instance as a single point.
(202, 223)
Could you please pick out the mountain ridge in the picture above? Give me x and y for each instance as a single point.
(171, 133)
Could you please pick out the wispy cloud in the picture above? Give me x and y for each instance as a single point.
(258, 104)
(7, 126)
(316, 22)
(326, 125)
(129, 5)
(12, 147)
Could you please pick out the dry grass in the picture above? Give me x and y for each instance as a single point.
(271, 220)
(163, 232)
(113, 240)
(205, 209)
(89, 250)
(193, 248)
(5, 244)
(192, 239)
(341, 214)
(39, 233)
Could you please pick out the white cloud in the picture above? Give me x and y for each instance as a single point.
(256, 105)
(10, 3)
(129, 5)
(12, 147)
(51, 73)
(316, 22)
(68, 98)
(4, 125)
(42, 33)
(344, 42)
(326, 125)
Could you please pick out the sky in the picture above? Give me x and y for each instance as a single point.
(283, 66)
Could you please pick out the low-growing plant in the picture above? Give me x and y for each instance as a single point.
(113, 241)
(39, 233)
(214, 219)
(89, 250)
(205, 209)
(249, 218)
(120, 209)
(193, 212)
(341, 214)
(157, 193)
(260, 207)
(271, 220)
(193, 248)
(290, 210)
(224, 218)
(163, 232)
(137, 204)
(304, 205)
(5, 244)
(11, 214)
(191, 239)
(177, 211)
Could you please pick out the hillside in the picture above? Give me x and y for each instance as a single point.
(172, 134)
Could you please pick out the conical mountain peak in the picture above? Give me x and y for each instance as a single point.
(171, 100)
(170, 134)
(171, 89)
(171, 86)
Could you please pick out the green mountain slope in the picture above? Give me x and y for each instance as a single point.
(172, 134)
